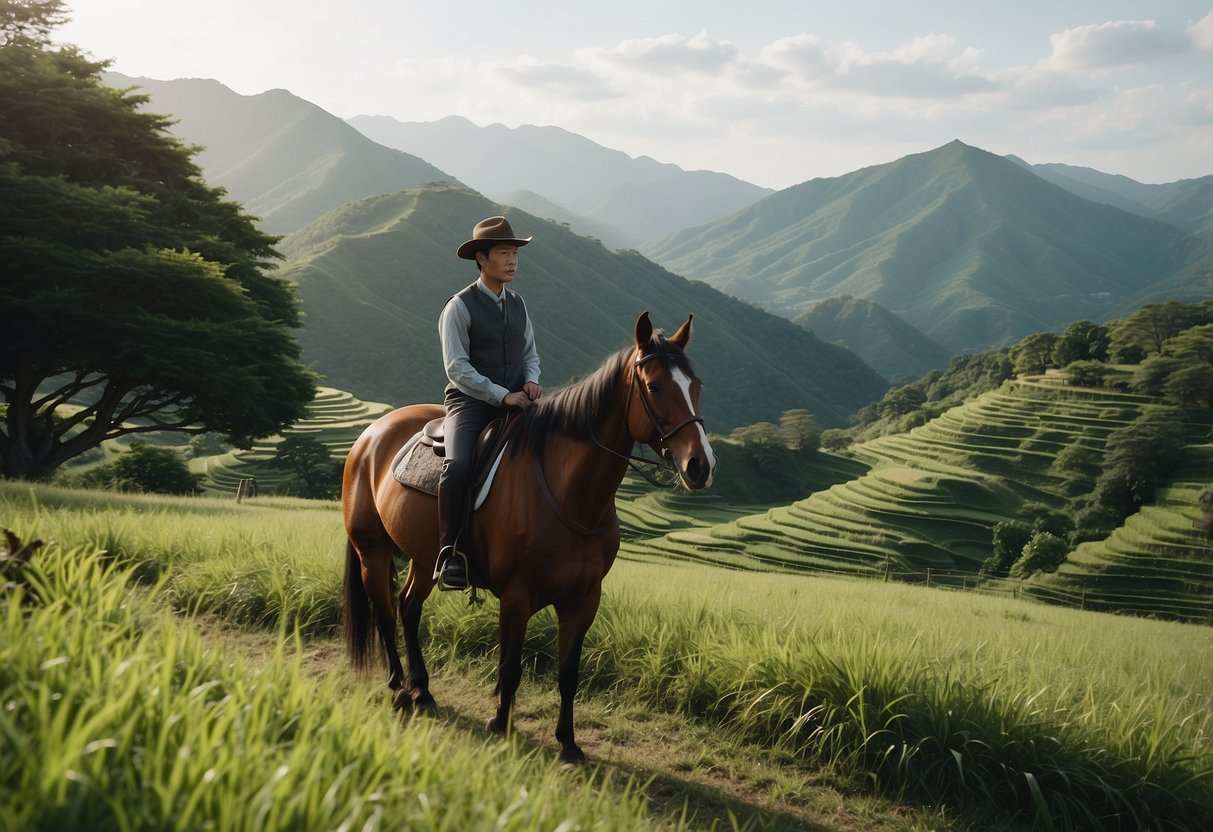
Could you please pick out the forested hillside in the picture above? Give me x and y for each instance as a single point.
(885, 342)
(284, 158)
(374, 276)
(966, 246)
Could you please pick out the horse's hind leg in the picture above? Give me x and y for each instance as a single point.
(416, 589)
(376, 555)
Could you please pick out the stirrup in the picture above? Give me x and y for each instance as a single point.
(440, 572)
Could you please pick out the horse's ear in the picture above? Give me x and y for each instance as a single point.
(683, 336)
(644, 331)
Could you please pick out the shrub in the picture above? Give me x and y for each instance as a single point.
(146, 467)
(1010, 537)
(1044, 553)
(1086, 373)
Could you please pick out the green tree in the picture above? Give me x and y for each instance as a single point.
(1044, 553)
(30, 22)
(1193, 344)
(799, 429)
(132, 290)
(1191, 384)
(1010, 536)
(1137, 457)
(1082, 341)
(1042, 518)
(1034, 353)
(146, 467)
(764, 438)
(312, 465)
(1151, 375)
(1086, 373)
(1154, 324)
(899, 401)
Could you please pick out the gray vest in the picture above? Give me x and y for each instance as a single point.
(496, 341)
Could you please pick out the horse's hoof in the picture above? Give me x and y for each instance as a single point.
(423, 703)
(401, 701)
(572, 757)
(495, 726)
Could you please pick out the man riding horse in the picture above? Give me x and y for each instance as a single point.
(488, 352)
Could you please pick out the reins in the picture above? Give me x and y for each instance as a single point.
(630, 458)
(662, 436)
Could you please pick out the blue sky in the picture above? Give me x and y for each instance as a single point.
(772, 91)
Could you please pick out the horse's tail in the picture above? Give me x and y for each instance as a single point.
(356, 614)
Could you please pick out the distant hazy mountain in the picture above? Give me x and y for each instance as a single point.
(285, 159)
(643, 198)
(542, 207)
(885, 342)
(966, 246)
(374, 275)
(1187, 203)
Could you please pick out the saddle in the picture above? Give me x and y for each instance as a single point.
(419, 463)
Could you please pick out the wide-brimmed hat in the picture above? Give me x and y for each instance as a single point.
(488, 233)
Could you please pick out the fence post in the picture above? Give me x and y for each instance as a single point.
(247, 488)
(928, 576)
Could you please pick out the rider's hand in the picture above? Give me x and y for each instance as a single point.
(533, 391)
(517, 399)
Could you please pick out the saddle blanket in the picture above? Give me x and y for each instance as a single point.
(417, 466)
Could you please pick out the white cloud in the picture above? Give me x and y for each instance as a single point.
(558, 80)
(673, 53)
(1115, 44)
(1201, 32)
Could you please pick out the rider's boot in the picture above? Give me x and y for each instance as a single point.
(452, 565)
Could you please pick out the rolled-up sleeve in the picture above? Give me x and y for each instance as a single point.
(453, 325)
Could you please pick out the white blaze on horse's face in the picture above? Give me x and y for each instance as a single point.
(684, 384)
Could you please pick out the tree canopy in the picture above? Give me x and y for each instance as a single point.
(136, 298)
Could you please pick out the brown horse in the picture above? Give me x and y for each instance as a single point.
(546, 534)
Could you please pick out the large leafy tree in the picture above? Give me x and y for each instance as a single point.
(134, 297)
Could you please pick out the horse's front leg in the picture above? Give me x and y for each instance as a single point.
(515, 613)
(416, 589)
(575, 621)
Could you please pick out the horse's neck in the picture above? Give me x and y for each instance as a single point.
(593, 467)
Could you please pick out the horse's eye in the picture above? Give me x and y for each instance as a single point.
(654, 387)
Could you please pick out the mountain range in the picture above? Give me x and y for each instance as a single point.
(1186, 204)
(641, 198)
(885, 342)
(374, 275)
(969, 247)
(285, 159)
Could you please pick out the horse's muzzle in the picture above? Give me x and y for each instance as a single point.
(698, 473)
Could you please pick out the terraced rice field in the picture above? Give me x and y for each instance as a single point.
(926, 508)
(1155, 564)
(335, 418)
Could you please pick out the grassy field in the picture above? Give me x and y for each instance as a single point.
(962, 707)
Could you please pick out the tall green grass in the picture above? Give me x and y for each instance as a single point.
(1063, 719)
(116, 717)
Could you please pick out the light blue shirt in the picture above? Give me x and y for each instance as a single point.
(453, 327)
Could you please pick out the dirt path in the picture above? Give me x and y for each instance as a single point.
(680, 762)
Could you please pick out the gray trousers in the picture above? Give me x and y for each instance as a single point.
(465, 418)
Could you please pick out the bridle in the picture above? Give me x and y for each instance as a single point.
(663, 436)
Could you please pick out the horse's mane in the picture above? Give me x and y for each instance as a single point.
(574, 409)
